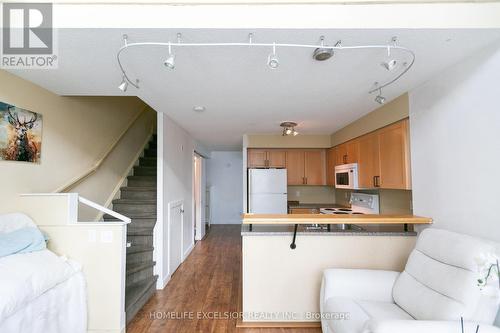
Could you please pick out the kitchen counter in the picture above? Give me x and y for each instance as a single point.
(282, 219)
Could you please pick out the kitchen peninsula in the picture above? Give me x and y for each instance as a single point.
(284, 255)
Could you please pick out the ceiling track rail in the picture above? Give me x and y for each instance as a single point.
(273, 46)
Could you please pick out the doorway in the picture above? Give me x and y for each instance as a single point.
(199, 185)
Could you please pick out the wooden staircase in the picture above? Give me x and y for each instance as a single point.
(138, 201)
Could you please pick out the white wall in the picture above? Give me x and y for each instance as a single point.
(455, 147)
(77, 131)
(175, 168)
(225, 171)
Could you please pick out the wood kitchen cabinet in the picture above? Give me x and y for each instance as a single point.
(266, 158)
(295, 167)
(306, 166)
(384, 158)
(368, 161)
(330, 166)
(314, 170)
(347, 153)
(394, 156)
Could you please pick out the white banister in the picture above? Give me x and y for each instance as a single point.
(103, 209)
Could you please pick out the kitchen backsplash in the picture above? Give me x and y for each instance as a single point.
(311, 194)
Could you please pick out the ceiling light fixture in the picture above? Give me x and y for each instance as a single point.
(170, 62)
(289, 128)
(272, 60)
(390, 64)
(321, 52)
(379, 98)
(199, 108)
(124, 85)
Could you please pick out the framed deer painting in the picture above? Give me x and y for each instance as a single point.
(20, 134)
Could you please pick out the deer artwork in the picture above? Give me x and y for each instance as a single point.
(21, 148)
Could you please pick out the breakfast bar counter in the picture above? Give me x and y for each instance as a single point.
(284, 256)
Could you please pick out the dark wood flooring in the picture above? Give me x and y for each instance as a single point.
(208, 281)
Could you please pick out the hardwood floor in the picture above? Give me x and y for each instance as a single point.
(207, 282)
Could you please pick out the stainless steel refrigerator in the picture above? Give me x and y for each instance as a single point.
(267, 191)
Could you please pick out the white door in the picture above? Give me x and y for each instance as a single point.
(268, 203)
(268, 181)
(175, 218)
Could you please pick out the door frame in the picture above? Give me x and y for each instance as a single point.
(173, 205)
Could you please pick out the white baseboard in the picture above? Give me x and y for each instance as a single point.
(161, 284)
(187, 252)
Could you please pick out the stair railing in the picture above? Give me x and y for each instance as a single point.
(103, 209)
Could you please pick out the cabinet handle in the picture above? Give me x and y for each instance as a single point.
(303, 180)
(345, 159)
(376, 180)
(306, 180)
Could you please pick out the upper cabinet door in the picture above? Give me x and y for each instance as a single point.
(341, 154)
(368, 161)
(394, 156)
(330, 166)
(295, 167)
(352, 148)
(257, 158)
(314, 167)
(276, 158)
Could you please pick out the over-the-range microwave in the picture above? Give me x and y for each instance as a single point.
(346, 176)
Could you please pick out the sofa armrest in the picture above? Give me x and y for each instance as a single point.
(358, 284)
(427, 326)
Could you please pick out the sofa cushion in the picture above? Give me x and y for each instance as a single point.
(440, 278)
(344, 315)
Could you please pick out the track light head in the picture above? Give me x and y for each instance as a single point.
(389, 64)
(295, 133)
(272, 60)
(124, 85)
(380, 99)
(170, 62)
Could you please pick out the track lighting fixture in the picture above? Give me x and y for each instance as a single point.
(289, 128)
(321, 52)
(390, 64)
(170, 62)
(272, 60)
(124, 85)
(379, 98)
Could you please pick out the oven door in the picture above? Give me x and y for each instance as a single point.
(344, 179)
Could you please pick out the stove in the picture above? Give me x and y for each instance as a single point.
(361, 203)
(338, 211)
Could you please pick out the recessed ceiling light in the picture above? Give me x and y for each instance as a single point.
(199, 108)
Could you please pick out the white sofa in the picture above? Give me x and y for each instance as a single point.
(437, 287)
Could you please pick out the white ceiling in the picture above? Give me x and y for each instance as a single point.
(240, 93)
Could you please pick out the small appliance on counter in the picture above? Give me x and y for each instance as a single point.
(267, 191)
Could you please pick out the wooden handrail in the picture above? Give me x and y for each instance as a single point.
(99, 162)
